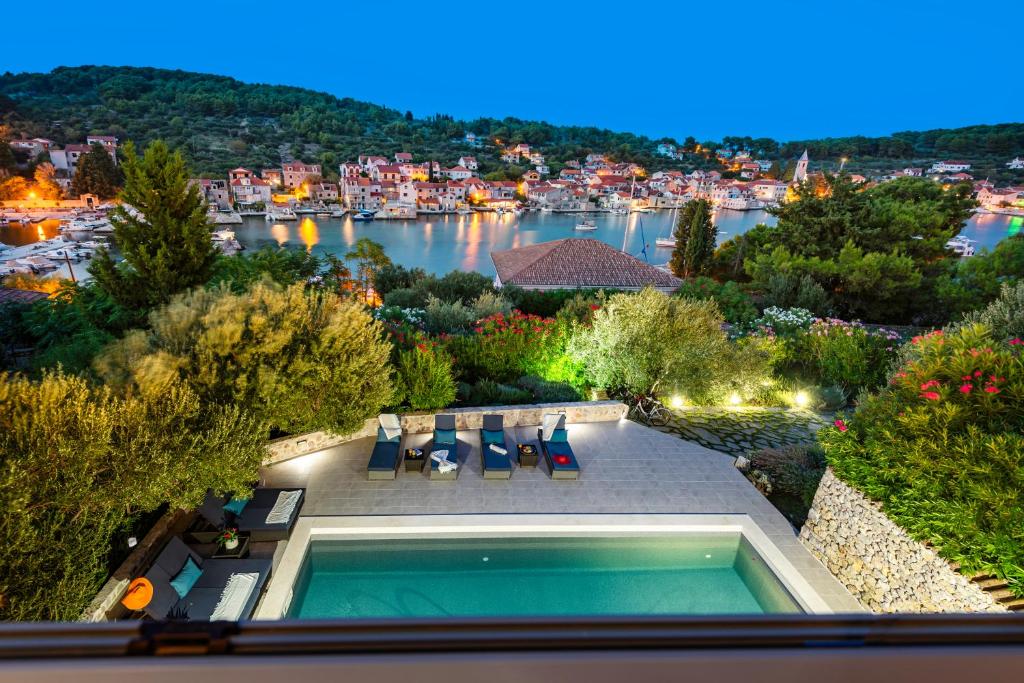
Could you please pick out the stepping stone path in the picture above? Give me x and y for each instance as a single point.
(739, 431)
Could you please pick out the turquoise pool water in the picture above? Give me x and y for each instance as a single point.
(510, 577)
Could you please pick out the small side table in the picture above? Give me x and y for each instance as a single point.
(414, 459)
(528, 454)
(237, 553)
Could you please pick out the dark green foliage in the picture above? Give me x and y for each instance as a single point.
(976, 281)
(789, 290)
(488, 393)
(391, 276)
(165, 239)
(735, 305)
(282, 265)
(456, 286)
(544, 391)
(95, 174)
(405, 298)
(792, 470)
(695, 236)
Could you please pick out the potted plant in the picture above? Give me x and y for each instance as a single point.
(229, 539)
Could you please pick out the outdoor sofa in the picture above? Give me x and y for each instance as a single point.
(250, 516)
(496, 465)
(557, 452)
(202, 597)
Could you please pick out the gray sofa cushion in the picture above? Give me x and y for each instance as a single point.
(172, 558)
(493, 423)
(444, 422)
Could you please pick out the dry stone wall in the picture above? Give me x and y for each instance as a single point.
(878, 562)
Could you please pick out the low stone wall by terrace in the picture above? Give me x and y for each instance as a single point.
(289, 447)
(878, 562)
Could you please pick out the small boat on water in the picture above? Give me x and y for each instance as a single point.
(620, 212)
(586, 226)
(282, 214)
(338, 213)
(463, 211)
(364, 215)
(667, 242)
(642, 209)
(961, 245)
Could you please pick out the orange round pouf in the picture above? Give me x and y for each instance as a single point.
(140, 592)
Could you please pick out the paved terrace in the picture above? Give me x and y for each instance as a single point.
(626, 468)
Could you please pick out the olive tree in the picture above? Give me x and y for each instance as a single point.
(649, 342)
(300, 360)
(79, 462)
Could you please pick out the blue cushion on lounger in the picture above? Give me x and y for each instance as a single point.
(236, 505)
(444, 436)
(490, 436)
(559, 436)
(186, 578)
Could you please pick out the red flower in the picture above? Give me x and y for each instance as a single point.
(977, 373)
(840, 425)
(966, 388)
(991, 389)
(931, 395)
(1015, 341)
(594, 307)
(929, 384)
(966, 377)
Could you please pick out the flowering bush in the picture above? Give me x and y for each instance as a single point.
(503, 347)
(942, 448)
(850, 355)
(783, 322)
(399, 315)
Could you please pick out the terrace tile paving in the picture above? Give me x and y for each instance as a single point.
(626, 468)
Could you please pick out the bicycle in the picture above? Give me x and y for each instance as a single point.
(650, 411)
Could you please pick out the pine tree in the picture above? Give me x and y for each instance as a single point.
(96, 174)
(695, 236)
(161, 229)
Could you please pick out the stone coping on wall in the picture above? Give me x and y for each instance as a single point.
(879, 562)
(289, 447)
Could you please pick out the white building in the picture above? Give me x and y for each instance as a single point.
(800, 174)
(1016, 164)
(949, 167)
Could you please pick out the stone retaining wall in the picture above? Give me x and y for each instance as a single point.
(465, 418)
(878, 562)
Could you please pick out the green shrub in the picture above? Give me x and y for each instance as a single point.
(1004, 317)
(406, 298)
(300, 360)
(735, 304)
(490, 304)
(443, 317)
(544, 391)
(547, 303)
(488, 393)
(942, 449)
(424, 378)
(503, 348)
(789, 290)
(848, 355)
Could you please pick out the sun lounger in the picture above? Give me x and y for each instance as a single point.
(496, 464)
(386, 455)
(557, 452)
(253, 516)
(444, 440)
(208, 590)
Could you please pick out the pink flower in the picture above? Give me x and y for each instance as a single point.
(977, 373)
(966, 377)
(1015, 341)
(931, 395)
(966, 388)
(929, 384)
(991, 389)
(840, 425)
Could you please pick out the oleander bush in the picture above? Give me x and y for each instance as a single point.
(423, 377)
(942, 449)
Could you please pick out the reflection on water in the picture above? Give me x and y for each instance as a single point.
(279, 231)
(309, 233)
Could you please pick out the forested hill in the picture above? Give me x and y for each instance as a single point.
(221, 123)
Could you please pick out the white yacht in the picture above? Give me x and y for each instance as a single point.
(961, 245)
(586, 226)
(667, 242)
(281, 214)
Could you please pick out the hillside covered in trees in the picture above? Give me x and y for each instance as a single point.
(220, 123)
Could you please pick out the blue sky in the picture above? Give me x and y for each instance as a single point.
(787, 69)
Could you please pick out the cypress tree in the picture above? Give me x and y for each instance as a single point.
(96, 174)
(161, 230)
(695, 236)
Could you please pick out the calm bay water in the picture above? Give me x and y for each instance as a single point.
(439, 244)
(443, 243)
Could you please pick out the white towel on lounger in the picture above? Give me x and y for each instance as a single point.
(444, 465)
(498, 449)
(283, 508)
(549, 424)
(236, 594)
(391, 425)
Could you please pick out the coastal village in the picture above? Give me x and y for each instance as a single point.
(402, 187)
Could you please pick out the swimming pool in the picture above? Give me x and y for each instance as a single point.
(672, 574)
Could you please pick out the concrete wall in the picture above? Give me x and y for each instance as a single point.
(465, 418)
(878, 562)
